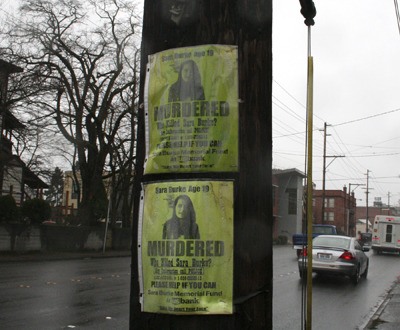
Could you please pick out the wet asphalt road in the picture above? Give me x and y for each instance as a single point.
(337, 304)
(89, 294)
(94, 294)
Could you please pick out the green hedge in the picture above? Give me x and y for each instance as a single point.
(36, 210)
(8, 209)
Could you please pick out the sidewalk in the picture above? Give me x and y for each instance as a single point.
(387, 316)
(48, 256)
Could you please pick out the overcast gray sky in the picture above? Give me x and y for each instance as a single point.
(355, 46)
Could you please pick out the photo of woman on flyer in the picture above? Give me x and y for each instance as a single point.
(188, 87)
(183, 221)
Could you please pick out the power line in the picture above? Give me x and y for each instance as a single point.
(365, 118)
(297, 101)
(376, 155)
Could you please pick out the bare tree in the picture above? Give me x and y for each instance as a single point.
(80, 77)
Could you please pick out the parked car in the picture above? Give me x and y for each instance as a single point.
(336, 255)
(365, 239)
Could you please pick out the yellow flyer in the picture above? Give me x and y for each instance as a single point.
(191, 108)
(186, 247)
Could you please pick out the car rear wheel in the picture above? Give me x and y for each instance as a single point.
(356, 277)
(365, 274)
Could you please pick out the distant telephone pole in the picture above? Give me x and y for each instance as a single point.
(367, 193)
(324, 175)
(324, 171)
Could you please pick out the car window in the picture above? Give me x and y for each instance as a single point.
(357, 245)
(323, 230)
(333, 242)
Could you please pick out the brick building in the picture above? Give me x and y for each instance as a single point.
(338, 209)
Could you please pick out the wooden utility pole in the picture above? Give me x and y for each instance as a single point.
(246, 24)
(323, 176)
(324, 172)
(366, 202)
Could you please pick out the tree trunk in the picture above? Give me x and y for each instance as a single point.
(93, 206)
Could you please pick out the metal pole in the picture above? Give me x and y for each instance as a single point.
(308, 11)
(309, 182)
(3, 92)
(107, 220)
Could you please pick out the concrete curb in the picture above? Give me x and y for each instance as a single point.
(377, 321)
(53, 256)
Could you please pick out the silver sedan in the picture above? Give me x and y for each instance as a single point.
(336, 255)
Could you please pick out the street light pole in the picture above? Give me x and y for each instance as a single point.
(309, 11)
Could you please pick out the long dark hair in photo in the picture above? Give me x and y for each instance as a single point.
(183, 221)
(188, 85)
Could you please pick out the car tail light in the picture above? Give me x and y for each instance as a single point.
(303, 252)
(347, 256)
